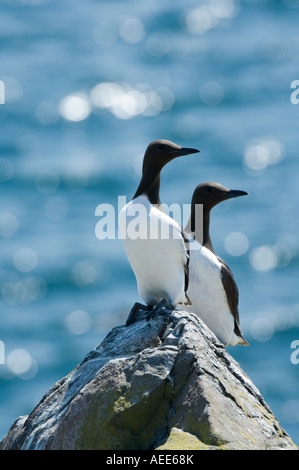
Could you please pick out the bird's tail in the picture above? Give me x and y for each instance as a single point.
(187, 301)
(239, 334)
(243, 341)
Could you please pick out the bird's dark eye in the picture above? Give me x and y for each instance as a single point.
(209, 190)
(160, 147)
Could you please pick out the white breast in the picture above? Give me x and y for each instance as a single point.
(156, 251)
(207, 294)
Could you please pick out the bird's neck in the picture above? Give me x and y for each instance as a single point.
(206, 231)
(199, 226)
(150, 186)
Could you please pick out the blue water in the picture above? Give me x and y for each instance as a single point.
(88, 84)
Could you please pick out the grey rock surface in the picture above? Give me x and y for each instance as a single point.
(166, 383)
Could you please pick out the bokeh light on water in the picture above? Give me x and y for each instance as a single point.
(21, 364)
(78, 322)
(75, 107)
(260, 154)
(236, 244)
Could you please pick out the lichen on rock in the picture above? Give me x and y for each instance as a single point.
(166, 383)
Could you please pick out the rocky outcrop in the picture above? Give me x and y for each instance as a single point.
(166, 383)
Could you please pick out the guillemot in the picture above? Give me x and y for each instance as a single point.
(158, 254)
(212, 289)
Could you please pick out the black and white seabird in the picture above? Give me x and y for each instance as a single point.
(159, 254)
(212, 289)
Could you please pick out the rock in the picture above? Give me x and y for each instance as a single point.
(161, 384)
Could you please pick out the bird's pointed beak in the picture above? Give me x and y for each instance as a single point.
(235, 193)
(183, 151)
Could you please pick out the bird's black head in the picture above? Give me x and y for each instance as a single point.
(210, 194)
(160, 152)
